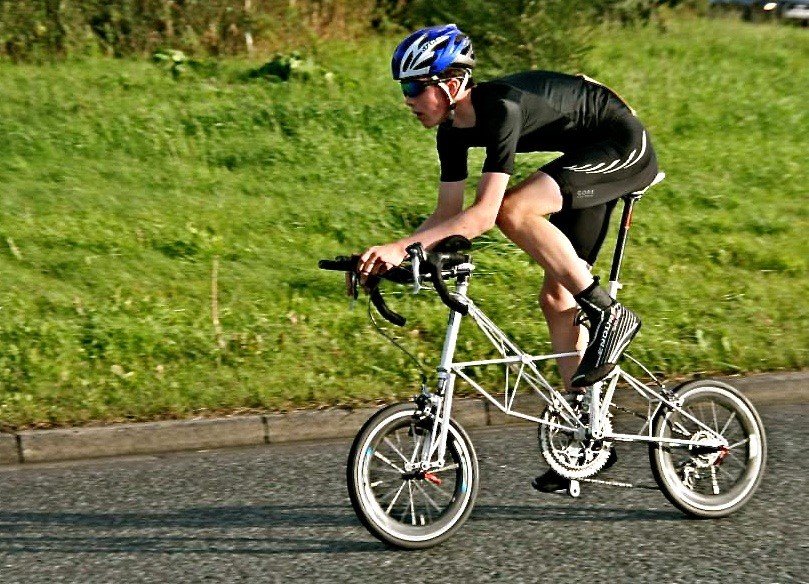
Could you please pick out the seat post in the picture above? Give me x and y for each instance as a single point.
(620, 243)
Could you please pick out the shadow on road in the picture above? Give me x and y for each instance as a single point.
(260, 530)
(570, 513)
(207, 530)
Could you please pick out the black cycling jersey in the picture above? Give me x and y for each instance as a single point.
(606, 150)
(527, 112)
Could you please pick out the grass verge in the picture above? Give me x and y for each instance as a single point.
(124, 190)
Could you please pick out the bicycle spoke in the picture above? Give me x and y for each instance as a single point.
(415, 449)
(739, 443)
(426, 507)
(387, 441)
(384, 459)
(713, 411)
(725, 427)
(440, 490)
(690, 412)
(702, 415)
(714, 482)
(412, 506)
(452, 466)
(393, 502)
(388, 494)
(395, 471)
(428, 497)
(679, 428)
(735, 459)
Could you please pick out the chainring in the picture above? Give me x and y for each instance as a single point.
(568, 456)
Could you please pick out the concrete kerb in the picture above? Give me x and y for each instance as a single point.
(157, 437)
(146, 438)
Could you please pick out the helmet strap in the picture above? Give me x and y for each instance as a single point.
(452, 101)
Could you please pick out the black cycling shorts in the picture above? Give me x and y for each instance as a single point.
(585, 228)
(619, 159)
(616, 161)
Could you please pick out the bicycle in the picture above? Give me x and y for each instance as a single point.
(412, 471)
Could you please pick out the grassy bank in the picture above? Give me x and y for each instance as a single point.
(124, 192)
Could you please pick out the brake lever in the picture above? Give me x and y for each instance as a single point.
(417, 255)
(352, 287)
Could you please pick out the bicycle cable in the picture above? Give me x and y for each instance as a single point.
(396, 344)
(649, 373)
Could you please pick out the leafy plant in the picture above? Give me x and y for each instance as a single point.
(173, 60)
(285, 67)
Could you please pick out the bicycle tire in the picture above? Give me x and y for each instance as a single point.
(423, 530)
(677, 470)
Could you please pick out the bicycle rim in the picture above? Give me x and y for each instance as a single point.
(407, 509)
(705, 482)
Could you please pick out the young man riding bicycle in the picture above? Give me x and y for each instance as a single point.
(560, 214)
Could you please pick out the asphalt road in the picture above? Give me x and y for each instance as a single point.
(281, 514)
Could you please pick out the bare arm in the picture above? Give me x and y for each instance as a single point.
(448, 219)
(451, 220)
(450, 203)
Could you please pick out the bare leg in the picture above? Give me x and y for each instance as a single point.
(560, 309)
(522, 220)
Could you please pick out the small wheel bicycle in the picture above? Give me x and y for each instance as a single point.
(412, 471)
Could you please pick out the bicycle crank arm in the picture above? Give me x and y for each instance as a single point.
(574, 488)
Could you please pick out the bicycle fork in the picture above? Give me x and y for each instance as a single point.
(441, 400)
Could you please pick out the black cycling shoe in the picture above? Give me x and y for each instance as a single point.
(612, 327)
(552, 482)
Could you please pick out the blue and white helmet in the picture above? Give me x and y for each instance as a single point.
(430, 51)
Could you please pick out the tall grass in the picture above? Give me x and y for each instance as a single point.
(121, 187)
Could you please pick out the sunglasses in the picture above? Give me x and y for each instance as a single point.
(414, 88)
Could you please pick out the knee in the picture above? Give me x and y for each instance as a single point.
(509, 216)
(536, 197)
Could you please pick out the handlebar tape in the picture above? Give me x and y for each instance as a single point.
(339, 264)
(435, 267)
(402, 276)
(382, 307)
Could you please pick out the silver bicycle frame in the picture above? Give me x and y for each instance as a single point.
(513, 358)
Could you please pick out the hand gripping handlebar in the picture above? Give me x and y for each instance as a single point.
(435, 265)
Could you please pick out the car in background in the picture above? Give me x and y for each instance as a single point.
(794, 10)
(797, 10)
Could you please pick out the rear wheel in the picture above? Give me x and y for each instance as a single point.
(706, 481)
(398, 504)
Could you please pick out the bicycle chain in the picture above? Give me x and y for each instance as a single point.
(628, 411)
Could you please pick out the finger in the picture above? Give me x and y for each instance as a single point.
(366, 272)
(368, 265)
(367, 255)
(380, 267)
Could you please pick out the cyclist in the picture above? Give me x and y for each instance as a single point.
(559, 215)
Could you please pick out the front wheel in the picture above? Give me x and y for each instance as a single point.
(706, 481)
(402, 507)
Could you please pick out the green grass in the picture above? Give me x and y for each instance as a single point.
(121, 187)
